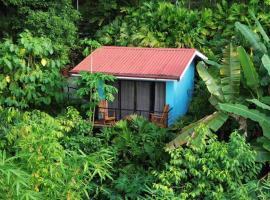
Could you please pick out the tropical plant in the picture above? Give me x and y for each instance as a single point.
(78, 137)
(230, 97)
(223, 86)
(15, 182)
(42, 167)
(255, 82)
(94, 87)
(226, 88)
(90, 46)
(261, 45)
(30, 72)
(139, 148)
(208, 169)
(126, 135)
(44, 18)
(164, 24)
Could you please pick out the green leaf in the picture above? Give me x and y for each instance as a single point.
(262, 155)
(213, 63)
(252, 114)
(266, 63)
(8, 63)
(251, 76)
(251, 37)
(266, 100)
(230, 74)
(210, 82)
(259, 104)
(262, 31)
(213, 121)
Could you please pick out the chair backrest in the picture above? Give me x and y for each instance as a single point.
(165, 112)
(103, 108)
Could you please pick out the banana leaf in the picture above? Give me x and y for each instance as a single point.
(252, 114)
(210, 82)
(251, 76)
(214, 101)
(230, 73)
(259, 104)
(251, 37)
(266, 63)
(213, 121)
(213, 63)
(266, 100)
(260, 28)
(262, 154)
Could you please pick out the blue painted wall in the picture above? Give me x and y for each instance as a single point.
(178, 94)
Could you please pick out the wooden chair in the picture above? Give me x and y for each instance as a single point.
(161, 119)
(103, 110)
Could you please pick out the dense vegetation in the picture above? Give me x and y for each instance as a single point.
(48, 147)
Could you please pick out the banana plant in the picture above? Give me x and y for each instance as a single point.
(261, 115)
(260, 42)
(227, 94)
(223, 88)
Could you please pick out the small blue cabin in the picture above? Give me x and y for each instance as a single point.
(147, 78)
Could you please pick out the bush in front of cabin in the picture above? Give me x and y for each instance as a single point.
(209, 169)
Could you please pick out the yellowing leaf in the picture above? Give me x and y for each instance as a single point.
(7, 79)
(43, 62)
(22, 52)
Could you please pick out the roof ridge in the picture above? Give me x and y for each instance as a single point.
(150, 48)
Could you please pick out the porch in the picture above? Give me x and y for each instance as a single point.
(106, 116)
(140, 97)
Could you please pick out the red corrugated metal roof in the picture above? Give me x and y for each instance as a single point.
(158, 63)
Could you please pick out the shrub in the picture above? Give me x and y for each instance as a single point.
(30, 72)
(41, 165)
(208, 169)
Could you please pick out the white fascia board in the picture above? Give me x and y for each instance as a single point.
(143, 79)
(197, 53)
(134, 78)
(75, 74)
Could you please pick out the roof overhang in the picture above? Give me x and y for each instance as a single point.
(134, 78)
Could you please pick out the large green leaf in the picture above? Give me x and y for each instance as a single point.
(266, 100)
(252, 114)
(213, 63)
(213, 121)
(262, 154)
(210, 82)
(230, 74)
(251, 37)
(259, 104)
(251, 76)
(261, 30)
(266, 63)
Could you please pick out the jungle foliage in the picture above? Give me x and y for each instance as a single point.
(30, 72)
(216, 152)
(207, 169)
(53, 19)
(164, 24)
(240, 88)
(59, 158)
